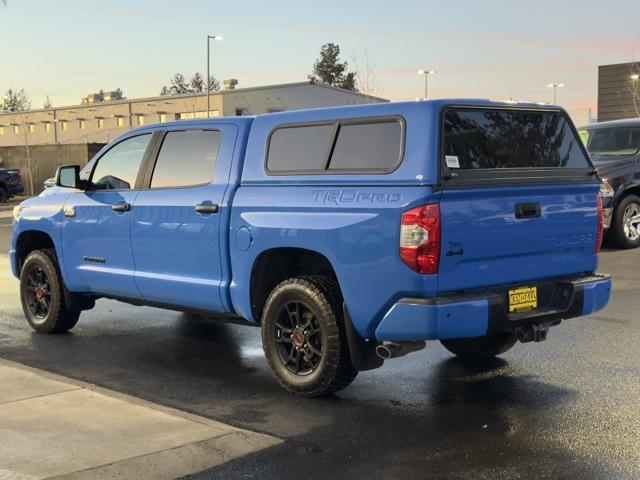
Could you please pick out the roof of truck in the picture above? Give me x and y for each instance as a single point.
(626, 122)
(361, 108)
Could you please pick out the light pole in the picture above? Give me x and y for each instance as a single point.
(209, 38)
(425, 72)
(555, 87)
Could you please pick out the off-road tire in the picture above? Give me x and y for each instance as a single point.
(4, 196)
(321, 295)
(616, 236)
(59, 318)
(479, 348)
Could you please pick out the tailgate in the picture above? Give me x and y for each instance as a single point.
(497, 236)
(519, 200)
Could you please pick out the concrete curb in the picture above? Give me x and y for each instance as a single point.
(105, 434)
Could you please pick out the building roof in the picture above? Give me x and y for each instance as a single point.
(619, 64)
(192, 95)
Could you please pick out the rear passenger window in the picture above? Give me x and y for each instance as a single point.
(343, 146)
(186, 158)
(300, 148)
(367, 146)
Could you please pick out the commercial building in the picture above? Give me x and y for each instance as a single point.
(100, 118)
(618, 91)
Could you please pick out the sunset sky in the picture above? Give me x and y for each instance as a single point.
(494, 49)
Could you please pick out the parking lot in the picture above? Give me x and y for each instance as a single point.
(565, 408)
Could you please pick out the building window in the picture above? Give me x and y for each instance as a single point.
(120, 122)
(16, 129)
(140, 119)
(32, 127)
(163, 117)
(100, 122)
(64, 125)
(81, 124)
(1, 130)
(202, 114)
(47, 126)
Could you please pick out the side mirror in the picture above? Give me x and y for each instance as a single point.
(68, 176)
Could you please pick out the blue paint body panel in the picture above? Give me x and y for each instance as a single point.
(415, 321)
(163, 252)
(164, 224)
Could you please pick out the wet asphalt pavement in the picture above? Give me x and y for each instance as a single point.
(566, 408)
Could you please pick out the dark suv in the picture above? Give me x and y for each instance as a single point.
(614, 148)
(10, 184)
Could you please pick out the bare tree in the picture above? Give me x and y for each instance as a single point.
(32, 173)
(17, 101)
(633, 85)
(365, 75)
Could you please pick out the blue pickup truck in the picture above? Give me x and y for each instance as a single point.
(350, 235)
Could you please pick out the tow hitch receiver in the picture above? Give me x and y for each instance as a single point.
(533, 333)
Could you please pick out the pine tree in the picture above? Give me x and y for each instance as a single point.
(179, 85)
(330, 70)
(16, 101)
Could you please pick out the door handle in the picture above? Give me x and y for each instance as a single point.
(121, 207)
(528, 210)
(207, 208)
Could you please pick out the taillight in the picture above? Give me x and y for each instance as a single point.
(420, 238)
(599, 233)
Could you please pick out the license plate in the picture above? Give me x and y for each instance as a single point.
(523, 299)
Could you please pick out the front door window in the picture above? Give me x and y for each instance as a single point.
(118, 168)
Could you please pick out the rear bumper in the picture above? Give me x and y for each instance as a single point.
(480, 313)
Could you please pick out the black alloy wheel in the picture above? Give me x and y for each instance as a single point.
(299, 338)
(42, 294)
(304, 337)
(38, 292)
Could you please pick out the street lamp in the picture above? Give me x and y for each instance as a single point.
(426, 74)
(209, 38)
(555, 87)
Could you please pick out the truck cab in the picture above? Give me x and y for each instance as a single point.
(350, 235)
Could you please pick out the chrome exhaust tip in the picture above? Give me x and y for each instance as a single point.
(390, 350)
